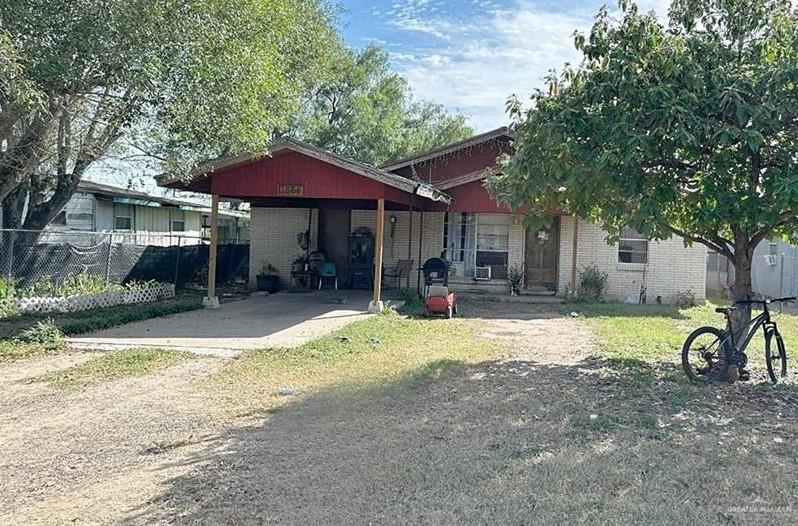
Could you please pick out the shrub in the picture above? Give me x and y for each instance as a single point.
(411, 298)
(8, 288)
(75, 285)
(685, 298)
(45, 334)
(592, 282)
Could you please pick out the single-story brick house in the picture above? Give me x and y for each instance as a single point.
(430, 205)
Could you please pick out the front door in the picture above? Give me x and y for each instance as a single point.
(333, 238)
(541, 258)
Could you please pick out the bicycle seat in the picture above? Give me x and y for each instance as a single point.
(725, 310)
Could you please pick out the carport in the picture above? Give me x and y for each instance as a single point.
(295, 174)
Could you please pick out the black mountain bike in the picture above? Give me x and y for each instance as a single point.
(702, 350)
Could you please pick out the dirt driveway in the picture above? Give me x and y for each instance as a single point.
(545, 435)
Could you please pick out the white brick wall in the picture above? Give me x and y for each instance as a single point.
(273, 238)
(671, 268)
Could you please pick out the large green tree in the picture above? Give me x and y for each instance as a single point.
(687, 129)
(365, 111)
(191, 79)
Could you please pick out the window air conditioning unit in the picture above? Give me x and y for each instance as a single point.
(482, 274)
(770, 259)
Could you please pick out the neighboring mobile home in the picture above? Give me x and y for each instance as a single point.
(140, 218)
(434, 204)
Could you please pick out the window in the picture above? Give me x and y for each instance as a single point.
(632, 247)
(123, 217)
(773, 248)
(178, 220)
(477, 240)
(60, 219)
(493, 242)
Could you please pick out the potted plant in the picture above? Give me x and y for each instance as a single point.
(267, 279)
(515, 278)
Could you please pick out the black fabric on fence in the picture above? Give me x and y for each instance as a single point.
(183, 265)
(125, 262)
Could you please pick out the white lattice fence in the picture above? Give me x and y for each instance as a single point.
(143, 294)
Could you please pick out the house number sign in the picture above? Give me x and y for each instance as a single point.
(290, 190)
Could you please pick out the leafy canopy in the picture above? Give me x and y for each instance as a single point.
(689, 129)
(366, 112)
(191, 79)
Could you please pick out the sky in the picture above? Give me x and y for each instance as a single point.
(471, 55)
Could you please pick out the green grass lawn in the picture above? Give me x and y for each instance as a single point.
(113, 366)
(655, 333)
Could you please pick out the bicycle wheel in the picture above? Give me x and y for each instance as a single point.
(776, 362)
(701, 353)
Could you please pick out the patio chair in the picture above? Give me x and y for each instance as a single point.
(399, 271)
(328, 271)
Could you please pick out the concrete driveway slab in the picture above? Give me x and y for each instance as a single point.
(279, 320)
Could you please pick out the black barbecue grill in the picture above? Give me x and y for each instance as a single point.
(436, 271)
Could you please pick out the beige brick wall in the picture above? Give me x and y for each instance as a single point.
(671, 267)
(396, 247)
(273, 238)
(517, 240)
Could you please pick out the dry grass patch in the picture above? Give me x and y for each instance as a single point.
(113, 366)
(379, 349)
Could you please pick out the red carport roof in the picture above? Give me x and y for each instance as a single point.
(200, 177)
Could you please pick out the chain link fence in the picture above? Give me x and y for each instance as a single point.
(775, 275)
(720, 276)
(51, 258)
(772, 275)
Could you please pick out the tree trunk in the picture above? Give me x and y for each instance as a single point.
(741, 316)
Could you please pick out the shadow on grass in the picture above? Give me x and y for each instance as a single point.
(493, 442)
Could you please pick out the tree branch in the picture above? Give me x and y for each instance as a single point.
(721, 248)
(763, 232)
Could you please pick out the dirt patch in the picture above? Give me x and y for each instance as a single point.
(538, 333)
(83, 456)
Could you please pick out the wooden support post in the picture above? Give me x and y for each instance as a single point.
(420, 244)
(212, 301)
(409, 245)
(376, 303)
(575, 247)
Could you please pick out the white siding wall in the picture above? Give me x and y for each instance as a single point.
(671, 267)
(273, 238)
(79, 212)
(103, 215)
